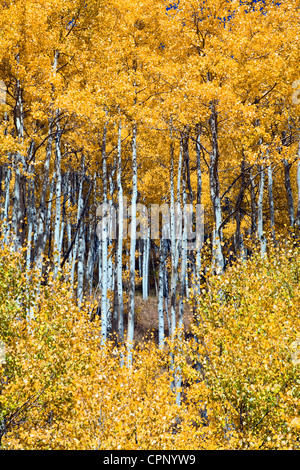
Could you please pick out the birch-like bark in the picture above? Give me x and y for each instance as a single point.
(199, 194)
(289, 192)
(68, 223)
(79, 210)
(6, 225)
(48, 228)
(31, 213)
(253, 204)
(178, 378)
(19, 166)
(298, 187)
(130, 329)
(90, 259)
(176, 226)
(104, 243)
(145, 268)
(42, 226)
(260, 232)
(57, 220)
(238, 235)
(120, 240)
(218, 258)
(271, 201)
(161, 323)
(80, 261)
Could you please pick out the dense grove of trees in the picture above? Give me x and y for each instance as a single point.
(134, 105)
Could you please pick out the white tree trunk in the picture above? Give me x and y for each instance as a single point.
(130, 329)
(79, 210)
(218, 258)
(42, 225)
(199, 194)
(161, 323)
(289, 192)
(80, 261)
(298, 186)
(260, 227)
(146, 250)
(120, 240)
(19, 166)
(6, 224)
(271, 200)
(30, 213)
(104, 243)
(57, 221)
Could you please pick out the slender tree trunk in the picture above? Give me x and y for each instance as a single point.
(6, 224)
(41, 222)
(271, 200)
(161, 323)
(145, 279)
(199, 194)
(104, 243)
(120, 240)
(30, 211)
(218, 257)
(298, 187)
(19, 166)
(80, 261)
(48, 228)
(79, 211)
(260, 232)
(238, 235)
(130, 330)
(289, 192)
(57, 221)
(253, 205)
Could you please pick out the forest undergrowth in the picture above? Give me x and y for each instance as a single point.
(238, 362)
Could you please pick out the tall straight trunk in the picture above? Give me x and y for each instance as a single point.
(161, 323)
(253, 204)
(130, 329)
(199, 194)
(57, 221)
(110, 288)
(238, 235)
(298, 187)
(48, 228)
(271, 200)
(68, 223)
(183, 249)
(65, 184)
(19, 167)
(120, 240)
(218, 258)
(90, 259)
(183, 270)
(79, 211)
(30, 210)
(145, 261)
(260, 227)
(176, 226)
(104, 243)
(289, 192)
(6, 225)
(41, 222)
(80, 262)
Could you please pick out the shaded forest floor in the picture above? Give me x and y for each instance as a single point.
(146, 317)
